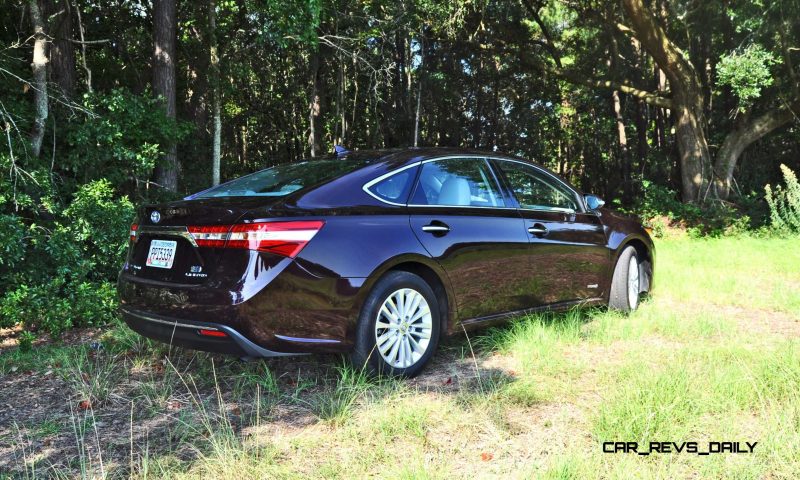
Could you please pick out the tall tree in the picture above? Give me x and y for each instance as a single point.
(687, 96)
(690, 77)
(164, 26)
(39, 67)
(216, 129)
(315, 103)
(62, 48)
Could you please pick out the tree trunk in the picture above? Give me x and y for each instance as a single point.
(625, 160)
(692, 144)
(39, 67)
(62, 50)
(164, 26)
(216, 134)
(688, 105)
(747, 132)
(315, 106)
(622, 137)
(640, 118)
(660, 137)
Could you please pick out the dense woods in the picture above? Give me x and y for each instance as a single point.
(700, 97)
(657, 105)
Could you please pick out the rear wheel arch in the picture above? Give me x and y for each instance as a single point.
(377, 327)
(424, 268)
(436, 283)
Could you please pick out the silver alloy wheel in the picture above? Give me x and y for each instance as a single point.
(403, 328)
(633, 282)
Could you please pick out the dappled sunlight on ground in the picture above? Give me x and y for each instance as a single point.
(537, 397)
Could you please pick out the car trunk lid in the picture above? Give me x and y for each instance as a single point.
(164, 249)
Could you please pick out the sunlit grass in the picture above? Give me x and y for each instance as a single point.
(702, 360)
(742, 272)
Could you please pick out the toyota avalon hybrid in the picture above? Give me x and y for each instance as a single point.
(380, 254)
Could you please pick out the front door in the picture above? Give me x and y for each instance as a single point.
(461, 217)
(567, 245)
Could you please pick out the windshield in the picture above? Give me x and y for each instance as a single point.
(283, 179)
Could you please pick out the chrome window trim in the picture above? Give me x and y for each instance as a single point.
(366, 187)
(372, 182)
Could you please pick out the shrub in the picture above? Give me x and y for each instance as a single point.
(99, 223)
(784, 203)
(63, 272)
(26, 341)
(12, 248)
(660, 207)
(63, 216)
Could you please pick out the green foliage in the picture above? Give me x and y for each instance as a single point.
(12, 249)
(59, 305)
(747, 72)
(784, 203)
(660, 208)
(657, 200)
(99, 222)
(122, 141)
(26, 341)
(64, 268)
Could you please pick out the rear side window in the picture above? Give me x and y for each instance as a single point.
(395, 188)
(457, 182)
(284, 179)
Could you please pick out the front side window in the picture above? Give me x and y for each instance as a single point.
(535, 190)
(458, 182)
(284, 179)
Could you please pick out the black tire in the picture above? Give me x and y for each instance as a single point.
(365, 354)
(619, 297)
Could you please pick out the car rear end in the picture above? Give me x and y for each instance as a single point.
(217, 271)
(192, 265)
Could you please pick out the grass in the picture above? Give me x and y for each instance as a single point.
(713, 355)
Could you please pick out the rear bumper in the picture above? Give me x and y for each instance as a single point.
(187, 334)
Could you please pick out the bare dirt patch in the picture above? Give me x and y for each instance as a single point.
(9, 337)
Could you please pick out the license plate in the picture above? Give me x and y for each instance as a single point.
(162, 253)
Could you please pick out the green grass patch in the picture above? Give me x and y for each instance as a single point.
(742, 272)
(712, 355)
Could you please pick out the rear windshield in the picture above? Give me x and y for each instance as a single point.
(284, 179)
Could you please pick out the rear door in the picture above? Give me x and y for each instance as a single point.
(461, 217)
(567, 245)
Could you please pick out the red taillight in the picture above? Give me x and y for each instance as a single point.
(284, 238)
(134, 228)
(212, 333)
(210, 236)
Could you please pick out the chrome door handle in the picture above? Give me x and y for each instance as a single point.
(538, 229)
(435, 228)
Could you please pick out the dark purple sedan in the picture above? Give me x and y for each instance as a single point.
(375, 253)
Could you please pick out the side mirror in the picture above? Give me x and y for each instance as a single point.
(593, 202)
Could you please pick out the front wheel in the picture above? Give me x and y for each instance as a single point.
(398, 329)
(626, 283)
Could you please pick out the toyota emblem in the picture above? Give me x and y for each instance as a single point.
(155, 217)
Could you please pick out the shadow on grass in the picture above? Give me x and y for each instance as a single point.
(150, 406)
